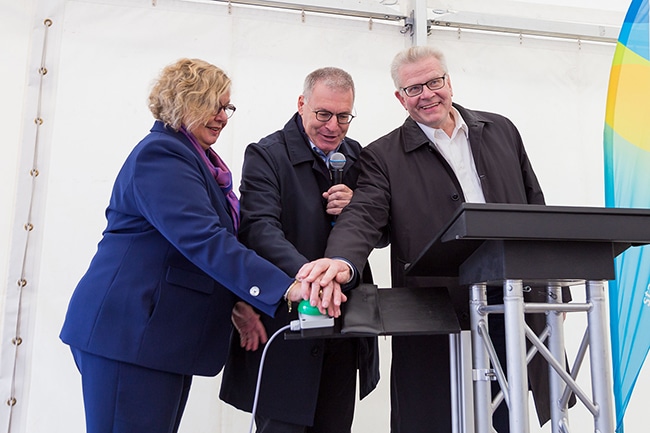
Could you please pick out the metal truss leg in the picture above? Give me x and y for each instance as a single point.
(601, 366)
(513, 310)
(555, 324)
(480, 360)
(462, 408)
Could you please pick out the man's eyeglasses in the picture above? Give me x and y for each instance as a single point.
(228, 109)
(341, 118)
(433, 84)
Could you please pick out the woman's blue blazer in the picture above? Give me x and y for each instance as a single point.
(160, 289)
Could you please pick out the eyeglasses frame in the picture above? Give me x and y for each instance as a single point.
(329, 115)
(443, 78)
(225, 109)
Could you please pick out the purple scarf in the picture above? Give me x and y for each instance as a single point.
(221, 174)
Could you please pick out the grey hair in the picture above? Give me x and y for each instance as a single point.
(333, 78)
(413, 55)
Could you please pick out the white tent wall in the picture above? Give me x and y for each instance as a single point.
(101, 57)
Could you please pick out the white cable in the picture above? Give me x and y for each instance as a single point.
(294, 326)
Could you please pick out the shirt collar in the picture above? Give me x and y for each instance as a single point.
(325, 157)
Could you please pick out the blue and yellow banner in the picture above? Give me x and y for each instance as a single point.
(627, 184)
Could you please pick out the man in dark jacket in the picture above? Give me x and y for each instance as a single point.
(288, 207)
(412, 180)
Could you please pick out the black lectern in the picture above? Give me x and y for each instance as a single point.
(516, 244)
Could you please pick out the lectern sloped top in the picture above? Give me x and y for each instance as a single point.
(475, 224)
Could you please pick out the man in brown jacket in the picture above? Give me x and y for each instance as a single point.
(412, 180)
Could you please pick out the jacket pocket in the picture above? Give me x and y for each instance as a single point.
(191, 280)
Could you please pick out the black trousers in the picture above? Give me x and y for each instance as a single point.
(336, 394)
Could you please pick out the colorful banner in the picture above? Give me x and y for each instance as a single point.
(627, 184)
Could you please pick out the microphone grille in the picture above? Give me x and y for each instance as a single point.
(337, 161)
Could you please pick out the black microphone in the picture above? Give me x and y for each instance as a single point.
(337, 162)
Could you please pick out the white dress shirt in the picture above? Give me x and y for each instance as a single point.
(458, 154)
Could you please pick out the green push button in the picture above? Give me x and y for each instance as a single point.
(306, 308)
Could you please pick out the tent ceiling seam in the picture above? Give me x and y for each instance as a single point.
(581, 32)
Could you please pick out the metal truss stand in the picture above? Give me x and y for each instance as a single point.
(515, 386)
(519, 245)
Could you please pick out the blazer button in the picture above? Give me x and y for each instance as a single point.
(254, 291)
(455, 197)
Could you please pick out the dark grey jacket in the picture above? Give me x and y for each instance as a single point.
(407, 188)
(284, 220)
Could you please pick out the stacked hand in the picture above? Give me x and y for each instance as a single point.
(318, 281)
(321, 284)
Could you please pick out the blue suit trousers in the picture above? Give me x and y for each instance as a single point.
(126, 398)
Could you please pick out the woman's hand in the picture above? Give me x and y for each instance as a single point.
(247, 322)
